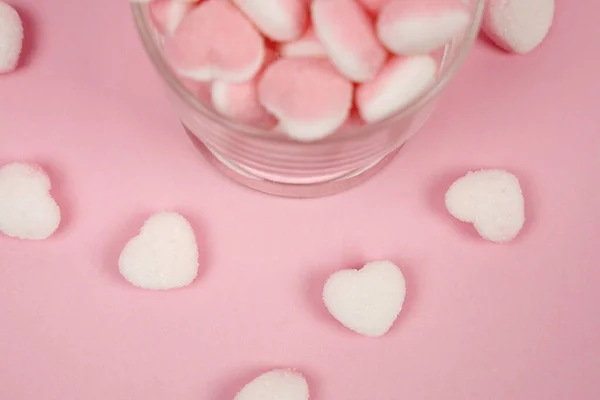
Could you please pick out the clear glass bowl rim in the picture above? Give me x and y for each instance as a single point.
(144, 28)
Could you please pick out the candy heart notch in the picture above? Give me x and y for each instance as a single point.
(280, 384)
(491, 200)
(163, 256)
(368, 300)
(215, 41)
(27, 210)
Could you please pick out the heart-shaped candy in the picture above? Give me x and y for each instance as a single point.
(11, 38)
(401, 81)
(167, 14)
(348, 35)
(163, 256)
(27, 210)
(367, 300)
(215, 41)
(518, 26)
(280, 384)
(307, 46)
(416, 27)
(491, 200)
(308, 96)
(239, 101)
(279, 20)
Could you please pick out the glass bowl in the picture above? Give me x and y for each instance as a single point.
(270, 162)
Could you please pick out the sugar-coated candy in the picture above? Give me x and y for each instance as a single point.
(27, 209)
(279, 384)
(11, 38)
(164, 255)
(491, 200)
(518, 26)
(368, 300)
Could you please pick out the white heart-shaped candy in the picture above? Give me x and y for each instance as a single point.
(367, 300)
(27, 211)
(279, 384)
(491, 200)
(163, 256)
(11, 37)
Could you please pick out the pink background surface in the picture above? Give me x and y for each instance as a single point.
(481, 321)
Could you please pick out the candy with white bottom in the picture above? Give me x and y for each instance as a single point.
(400, 81)
(348, 35)
(491, 200)
(163, 256)
(215, 41)
(413, 27)
(308, 45)
(27, 210)
(279, 20)
(11, 38)
(308, 96)
(366, 301)
(279, 384)
(168, 14)
(518, 26)
(239, 101)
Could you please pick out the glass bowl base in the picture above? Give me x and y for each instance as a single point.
(252, 180)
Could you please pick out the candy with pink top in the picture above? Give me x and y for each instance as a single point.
(412, 27)
(279, 20)
(216, 41)
(400, 82)
(323, 48)
(239, 101)
(378, 56)
(349, 37)
(308, 45)
(308, 96)
(167, 14)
